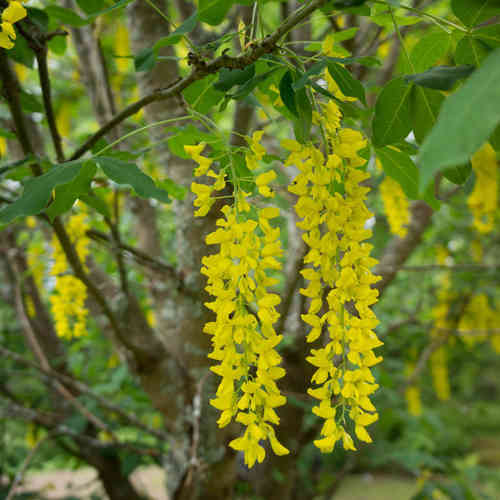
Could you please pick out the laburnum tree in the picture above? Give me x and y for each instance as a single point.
(207, 211)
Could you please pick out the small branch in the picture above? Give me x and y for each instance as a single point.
(289, 293)
(398, 249)
(437, 267)
(17, 411)
(38, 43)
(43, 73)
(22, 470)
(63, 391)
(145, 259)
(424, 357)
(84, 389)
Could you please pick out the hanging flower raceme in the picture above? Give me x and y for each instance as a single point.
(396, 206)
(13, 13)
(239, 277)
(439, 358)
(412, 393)
(68, 300)
(484, 198)
(331, 205)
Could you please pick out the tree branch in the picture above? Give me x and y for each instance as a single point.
(84, 389)
(202, 69)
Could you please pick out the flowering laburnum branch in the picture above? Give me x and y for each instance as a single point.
(331, 206)
(239, 278)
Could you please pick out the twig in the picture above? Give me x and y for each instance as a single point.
(84, 389)
(424, 357)
(438, 267)
(20, 473)
(63, 391)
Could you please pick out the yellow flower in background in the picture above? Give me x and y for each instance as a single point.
(3, 146)
(68, 300)
(13, 13)
(64, 120)
(396, 206)
(21, 71)
(484, 198)
(122, 48)
(439, 358)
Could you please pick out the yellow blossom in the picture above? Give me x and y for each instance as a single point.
(396, 206)
(333, 222)
(484, 198)
(13, 13)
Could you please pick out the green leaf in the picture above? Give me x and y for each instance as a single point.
(392, 118)
(175, 37)
(117, 5)
(425, 106)
(346, 82)
(37, 191)
(401, 168)
(66, 194)
(363, 60)
(213, 11)
(21, 52)
(495, 138)
(58, 45)
(201, 95)
(243, 174)
(302, 124)
(458, 174)
(441, 77)
(313, 70)
(287, 93)
(247, 87)
(343, 35)
(30, 103)
(7, 134)
(345, 4)
(39, 17)
(188, 135)
(386, 21)
(474, 12)
(145, 60)
(429, 50)
(90, 6)
(65, 16)
(96, 202)
(174, 190)
(228, 78)
(470, 51)
(128, 174)
(467, 119)
(490, 35)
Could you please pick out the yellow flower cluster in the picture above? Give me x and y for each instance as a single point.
(35, 261)
(439, 358)
(239, 277)
(331, 206)
(13, 13)
(395, 206)
(204, 199)
(68, 301)
(484, 197)
(478, 319)
(412, 393)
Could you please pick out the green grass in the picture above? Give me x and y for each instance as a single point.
(376, 487)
